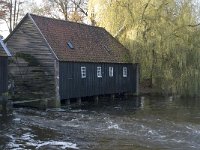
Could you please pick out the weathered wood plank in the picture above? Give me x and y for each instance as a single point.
(31, 81)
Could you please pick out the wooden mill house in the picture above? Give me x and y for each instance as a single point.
(4, 54)
(59, 60)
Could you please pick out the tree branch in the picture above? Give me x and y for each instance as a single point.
(78, 5)
(120, 31)
(194, 25)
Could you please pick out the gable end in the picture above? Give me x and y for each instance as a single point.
(28, 16)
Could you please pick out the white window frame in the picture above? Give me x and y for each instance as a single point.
(99, 72)
(83, 72)
(125, 72)
(111, 71)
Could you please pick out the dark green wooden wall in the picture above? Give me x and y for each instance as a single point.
(73, 86)
(3, 74)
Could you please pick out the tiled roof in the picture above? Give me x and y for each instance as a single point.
(3, 49)
(89, 43)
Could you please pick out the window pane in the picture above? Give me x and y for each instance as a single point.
(124, 71)
(99, 74)
(70, 45)
(110, 71)
(83, 72)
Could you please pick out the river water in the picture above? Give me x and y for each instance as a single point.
(123, 124)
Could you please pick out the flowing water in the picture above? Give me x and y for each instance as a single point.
(123, 124)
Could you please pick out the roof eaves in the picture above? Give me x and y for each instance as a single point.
(5, 48)
(52, 51)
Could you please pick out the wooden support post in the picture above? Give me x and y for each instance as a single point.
(57, 101)
(112, 96)
(142, 101)
(68, 102)
(4, 105)
(96, 99)
(79, 101)
(137, 79)
(137, 102)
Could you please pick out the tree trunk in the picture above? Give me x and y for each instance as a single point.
(11, 11)
(152, 68)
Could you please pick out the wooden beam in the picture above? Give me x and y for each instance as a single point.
(96, 99)
(79, 101)
(112, 96)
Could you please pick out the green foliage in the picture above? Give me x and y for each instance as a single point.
(163, 36)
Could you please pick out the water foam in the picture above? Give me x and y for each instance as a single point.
(28, 139)
(63, 145)
(113, 126)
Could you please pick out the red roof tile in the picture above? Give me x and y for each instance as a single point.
(91, 44)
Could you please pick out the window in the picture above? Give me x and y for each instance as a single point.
(110, 71)
(106, 48)
(83, 72)
(70, 45)
(124, 71)
(99, 74)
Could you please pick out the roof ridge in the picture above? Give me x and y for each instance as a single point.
(67, 21)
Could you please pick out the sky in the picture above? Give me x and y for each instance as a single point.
(3, 27)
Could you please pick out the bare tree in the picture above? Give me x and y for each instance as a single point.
(73, 10)
(10, 11)
(3, 6)
(62, 5)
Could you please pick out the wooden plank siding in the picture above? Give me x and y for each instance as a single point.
(73, 86)
(31, 81)
(3, 75)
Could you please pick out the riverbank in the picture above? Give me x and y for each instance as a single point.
(147, 90)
